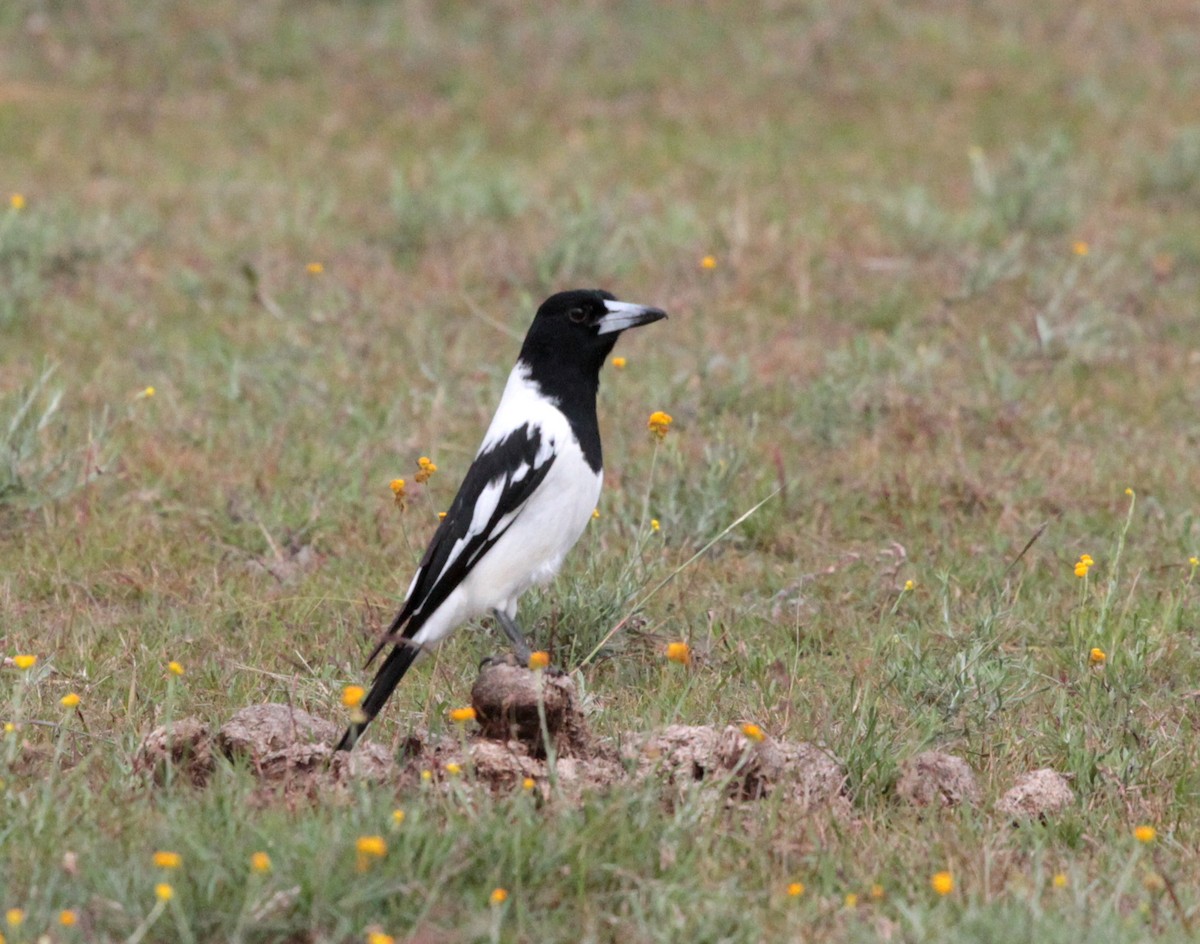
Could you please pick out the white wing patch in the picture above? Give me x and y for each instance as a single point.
(485, 507)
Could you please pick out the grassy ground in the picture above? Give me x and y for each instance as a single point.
(957, 268)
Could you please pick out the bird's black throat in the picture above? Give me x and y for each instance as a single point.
(573, 387)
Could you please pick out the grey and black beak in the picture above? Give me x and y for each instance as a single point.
(622, 315)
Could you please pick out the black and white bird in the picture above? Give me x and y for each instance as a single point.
(526, 498)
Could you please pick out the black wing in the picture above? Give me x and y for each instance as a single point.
(510, 467)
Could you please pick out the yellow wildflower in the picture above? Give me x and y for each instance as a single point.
(498, 896)
(1145, 834)
(69, 700)
(315, 268)
(175, 668)
(1060, 880)
(441, 516)
(453, 769)
(942, 882)
(9, 727)
(1097, 656)
(378, 937)
(753, 732)
(619, 363)
(659, 423)
(68, 918)
(15, 917)
(908, 586)
(1086, 559)
(852, 900)
(877, 892)
(368, 848)
(168, 860)
(163, 891)
(1129, 492)
(397, 487)
(654, 525)
(708, 262)
(462, 715)
(1194, 561)
(397, 817)
(425, 470)
(17, 201)
(1081, 569)
(595, 512)
(426, 775)
(352, 695)
(679, 652)
(528, 784)
(147, 393)
(539, 660)
(25, 663)
(1080, 248)
(795, 890)
(260, 862)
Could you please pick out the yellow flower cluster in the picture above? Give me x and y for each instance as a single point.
(168, 860)
(1145, 834)
(397, 486)
(314, 268)
(659, 423)
(679, 652)
(352, 695)
(942, 883)
(1097, 656)
(539, 660)
(1080, 248)
(25, 663)
(1083, 565)
(619, 363)
(753, 732)
(425, 470)
(69, 700)
(462, 715)
(367, 849)
(708, 262)
(17, 201)
(260, 862)
(498, 896)
(175, 668)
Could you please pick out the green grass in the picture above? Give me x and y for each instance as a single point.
(954, 303)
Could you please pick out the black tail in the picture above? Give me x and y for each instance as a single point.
(386, 679)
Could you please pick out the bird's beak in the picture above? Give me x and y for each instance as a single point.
(622, 315)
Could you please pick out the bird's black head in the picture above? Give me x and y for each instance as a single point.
(573, 333)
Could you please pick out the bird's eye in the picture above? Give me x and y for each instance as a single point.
(577, 315)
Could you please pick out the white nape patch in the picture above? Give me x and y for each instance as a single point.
(522, 404)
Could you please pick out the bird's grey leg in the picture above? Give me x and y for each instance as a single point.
(513, 632)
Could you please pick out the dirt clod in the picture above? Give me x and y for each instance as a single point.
(259, 730)
(754, 769)
(506, 699)
(1037, 793)
(185, 746)
(934, 778)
